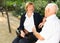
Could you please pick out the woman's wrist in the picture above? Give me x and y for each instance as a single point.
(35, 33)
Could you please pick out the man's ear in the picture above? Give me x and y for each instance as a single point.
(48, 10)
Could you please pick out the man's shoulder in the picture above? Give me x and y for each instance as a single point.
(54, 21)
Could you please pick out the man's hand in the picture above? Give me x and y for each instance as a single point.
(22, 34)
(41, 25)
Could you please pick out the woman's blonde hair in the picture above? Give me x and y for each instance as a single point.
(27, 4)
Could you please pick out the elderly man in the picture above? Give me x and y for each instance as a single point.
(50, 31)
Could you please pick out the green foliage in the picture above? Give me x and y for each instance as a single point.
(58, 14)
(18, 6)
(19, 9)
(10, 3)
(40, 6)
(58, 3)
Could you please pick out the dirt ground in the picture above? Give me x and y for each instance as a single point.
(5, 36)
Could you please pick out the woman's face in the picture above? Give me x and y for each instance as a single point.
(30, 8)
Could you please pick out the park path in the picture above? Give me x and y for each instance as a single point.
(5, 36)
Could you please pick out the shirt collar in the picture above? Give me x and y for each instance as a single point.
(50, 17)
(31, 15)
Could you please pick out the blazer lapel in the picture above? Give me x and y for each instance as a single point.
(34, 19)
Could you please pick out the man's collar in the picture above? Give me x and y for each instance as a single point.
(48, 18)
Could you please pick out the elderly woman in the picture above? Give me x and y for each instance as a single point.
(28, 20)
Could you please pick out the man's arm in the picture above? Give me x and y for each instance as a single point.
(42, 23)
(37, 34)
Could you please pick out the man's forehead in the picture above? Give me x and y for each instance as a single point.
(51, 5)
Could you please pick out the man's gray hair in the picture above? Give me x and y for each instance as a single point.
(52, 4)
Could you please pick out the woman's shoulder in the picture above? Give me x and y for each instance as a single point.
(37, 14)
(23, 15)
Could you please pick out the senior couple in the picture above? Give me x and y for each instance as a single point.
(37, 29)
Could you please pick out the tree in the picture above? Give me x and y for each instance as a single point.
(1, 2)
(49, 1)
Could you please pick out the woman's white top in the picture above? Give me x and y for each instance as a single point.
(29, 23)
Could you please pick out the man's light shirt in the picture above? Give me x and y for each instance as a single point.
(50, 31)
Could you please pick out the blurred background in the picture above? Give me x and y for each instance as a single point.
(10, 14)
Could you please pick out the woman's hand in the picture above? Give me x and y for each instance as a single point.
(26, 32)
(22, 34)
(34, 30)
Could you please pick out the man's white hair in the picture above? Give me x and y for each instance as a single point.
(52, 4)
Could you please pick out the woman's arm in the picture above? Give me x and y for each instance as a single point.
(20, 29)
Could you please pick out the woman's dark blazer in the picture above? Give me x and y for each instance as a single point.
(37, 20)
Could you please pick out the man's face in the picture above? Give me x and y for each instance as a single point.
(46, 12)
(49, 11)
